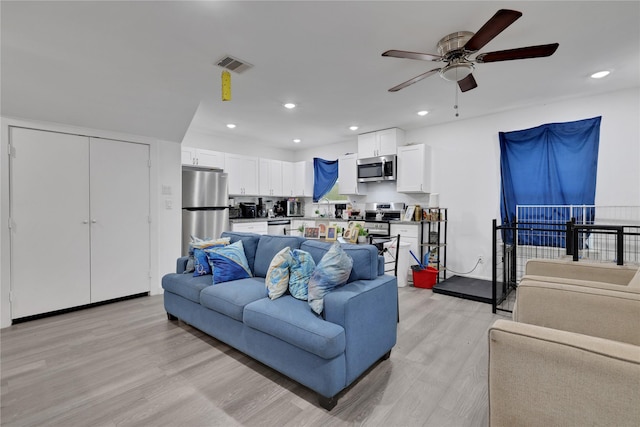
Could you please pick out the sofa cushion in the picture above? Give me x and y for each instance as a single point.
(185, 285)
(277, 280)
(228, 262)
(249, 242)
(302, 266)
(291, 321)
(365, 258)
(332, 271)
(230, 298)
(268, 247)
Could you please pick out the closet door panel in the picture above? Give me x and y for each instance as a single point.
(50, 214)
(120, 252)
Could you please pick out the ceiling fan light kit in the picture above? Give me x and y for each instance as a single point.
(456, 48)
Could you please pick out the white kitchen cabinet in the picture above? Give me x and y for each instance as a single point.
(408, 234)
(348, 174)
(258, 227)
(270, 182)
(202, 158)
(242, 174)
(288, 179)
(379, 143)
(303, 179)
(414, 169)
(80, 215)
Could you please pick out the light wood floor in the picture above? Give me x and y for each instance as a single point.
(126, 364)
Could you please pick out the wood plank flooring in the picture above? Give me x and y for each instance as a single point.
(125, 364)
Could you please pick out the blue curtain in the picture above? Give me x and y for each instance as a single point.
(325, 175)
(552, 164)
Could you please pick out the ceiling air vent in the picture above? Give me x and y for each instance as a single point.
(233, 64)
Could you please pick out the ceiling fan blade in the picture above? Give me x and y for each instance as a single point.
(412, 55)
(467, 83)
(413, 80)
(494, 26)
(539, 51)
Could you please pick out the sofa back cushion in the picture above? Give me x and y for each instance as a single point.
(249, 242)
(365, 258)
(268, 247)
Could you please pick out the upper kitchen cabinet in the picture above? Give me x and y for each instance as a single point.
(202, 158)
(243, 174)
(270, 183)
(303, 179)
(288, 179)
(348, 174)
(414, 169)
(379, 143)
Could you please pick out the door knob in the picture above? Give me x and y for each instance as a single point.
(85, 222)
(93, 221)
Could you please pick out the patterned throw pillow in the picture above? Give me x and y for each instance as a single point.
(331, 272)
(277, 279)
(302, 266)
(229, 262)
(198, 262)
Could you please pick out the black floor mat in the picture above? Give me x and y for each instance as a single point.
(465, 287)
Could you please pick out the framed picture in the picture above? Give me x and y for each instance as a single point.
(311, 232)
(322, 229)
(332, 233)
(353, 229)
(408, 214)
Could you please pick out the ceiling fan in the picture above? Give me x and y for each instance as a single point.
(456, 48)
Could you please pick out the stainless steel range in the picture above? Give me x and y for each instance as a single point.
(378, 216)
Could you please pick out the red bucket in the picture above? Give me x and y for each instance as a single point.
(424, 278)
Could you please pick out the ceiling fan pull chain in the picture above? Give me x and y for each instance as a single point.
(455, 88)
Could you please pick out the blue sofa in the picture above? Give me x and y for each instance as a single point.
(324, 353)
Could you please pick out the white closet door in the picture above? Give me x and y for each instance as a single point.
(50, 214)
(120, 254)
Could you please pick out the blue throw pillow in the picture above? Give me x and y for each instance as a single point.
(229, 262)
(302, 266)
(331, 272)
(277, 279)
(198, 263)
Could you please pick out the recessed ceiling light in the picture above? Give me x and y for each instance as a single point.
(231, 125)
(353, 127)
(423, 113)
(297, 140)
(289, 105)
(600, 74)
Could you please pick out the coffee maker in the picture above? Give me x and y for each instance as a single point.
(340, 209)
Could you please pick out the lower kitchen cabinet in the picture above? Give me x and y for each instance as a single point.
(258, 227)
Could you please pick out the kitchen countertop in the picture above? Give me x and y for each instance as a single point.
(315, 218)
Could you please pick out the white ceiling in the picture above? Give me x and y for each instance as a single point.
(148, 68)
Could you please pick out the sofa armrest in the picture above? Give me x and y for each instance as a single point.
(581, 270)
(181, 264)
(605, 313)
(368, 312)
(542, 377)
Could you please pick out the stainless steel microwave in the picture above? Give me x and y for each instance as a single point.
(381, 168)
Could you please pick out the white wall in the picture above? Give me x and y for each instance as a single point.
(166, 223)
(466, 165)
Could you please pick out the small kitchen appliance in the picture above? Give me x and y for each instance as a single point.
(248, 210)
(294, 208)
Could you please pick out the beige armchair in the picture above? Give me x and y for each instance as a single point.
(571, 357)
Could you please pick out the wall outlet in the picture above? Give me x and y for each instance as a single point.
(480, 259)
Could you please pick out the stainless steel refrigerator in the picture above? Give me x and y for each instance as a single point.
(205, 205)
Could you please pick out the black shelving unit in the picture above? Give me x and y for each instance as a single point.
(434, 241)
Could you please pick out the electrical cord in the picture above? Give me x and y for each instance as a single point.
(455, 272)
